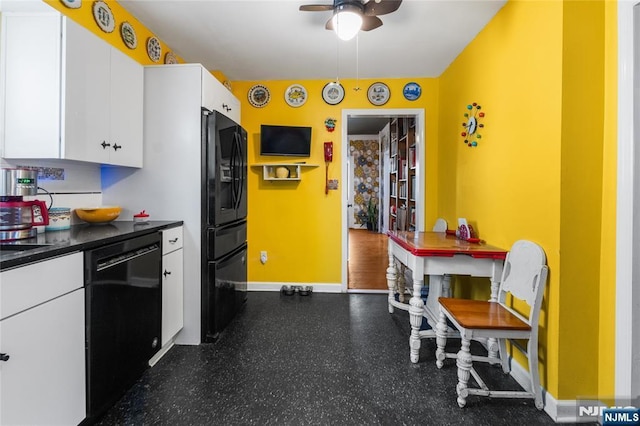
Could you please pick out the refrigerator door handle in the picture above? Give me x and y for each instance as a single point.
(241, 177)
(234, 192)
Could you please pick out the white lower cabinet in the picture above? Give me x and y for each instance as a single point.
(172, 295)
(172, 284)
(42, 372)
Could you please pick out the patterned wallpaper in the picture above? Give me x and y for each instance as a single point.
(366, 175)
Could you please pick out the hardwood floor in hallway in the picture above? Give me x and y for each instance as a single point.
(368, 260)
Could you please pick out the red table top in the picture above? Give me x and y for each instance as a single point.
(424, 244)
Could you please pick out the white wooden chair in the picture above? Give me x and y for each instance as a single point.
(440, 225)
(524, 277)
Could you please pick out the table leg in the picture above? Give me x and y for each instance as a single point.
(496, 274)
(415, 317)
(392, 279)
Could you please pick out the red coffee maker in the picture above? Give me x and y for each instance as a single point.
(18, 217)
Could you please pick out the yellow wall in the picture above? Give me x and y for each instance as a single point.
(295, 222)
(581, 189)
(509, 186)
(545, 169)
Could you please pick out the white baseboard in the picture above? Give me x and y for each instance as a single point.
(560, 411)
(162, 352)
(363, 291)
(317, 287)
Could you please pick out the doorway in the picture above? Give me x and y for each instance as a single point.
(370, 263)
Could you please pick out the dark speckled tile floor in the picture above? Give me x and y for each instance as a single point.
(324, 359)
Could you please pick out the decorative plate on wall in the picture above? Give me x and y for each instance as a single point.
(412, 91)
(333, 93)
(72, 4)
(295, 95)
(103, 16)
(378, 94)
(128, 35)
(154, 50)
(170, 58)
(259, 96)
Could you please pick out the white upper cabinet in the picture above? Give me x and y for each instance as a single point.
(216, 97)
(68, 93)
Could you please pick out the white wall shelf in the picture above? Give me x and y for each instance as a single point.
(270, 170)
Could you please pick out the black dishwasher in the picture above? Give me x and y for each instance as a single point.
(123, 317)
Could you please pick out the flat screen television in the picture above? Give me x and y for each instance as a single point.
(290, 141)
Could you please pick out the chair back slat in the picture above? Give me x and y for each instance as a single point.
(524, 274)
(440, 225)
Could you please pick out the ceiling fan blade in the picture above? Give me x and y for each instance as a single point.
(329, 24)
(385, 6)
(370, 23)
(316, 7)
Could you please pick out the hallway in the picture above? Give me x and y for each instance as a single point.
(324, 359)
(368, 260)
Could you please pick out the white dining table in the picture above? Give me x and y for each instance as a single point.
(437, 255)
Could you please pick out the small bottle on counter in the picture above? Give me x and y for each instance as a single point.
(141, 218)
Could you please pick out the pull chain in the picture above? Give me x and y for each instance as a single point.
(337, 60)
(357, 63)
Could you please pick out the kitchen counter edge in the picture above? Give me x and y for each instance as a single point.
(80, 238)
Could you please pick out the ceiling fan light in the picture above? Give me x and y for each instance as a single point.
(347, 23)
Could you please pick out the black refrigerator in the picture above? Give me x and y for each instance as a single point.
(224, 222)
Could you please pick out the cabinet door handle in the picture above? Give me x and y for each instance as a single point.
(105, 144)
(175, 240)
(116, 146)
(165, 273)
(4, 357)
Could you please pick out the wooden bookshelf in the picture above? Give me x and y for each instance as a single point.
(402, 174)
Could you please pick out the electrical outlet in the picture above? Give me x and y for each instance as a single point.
(263, 257)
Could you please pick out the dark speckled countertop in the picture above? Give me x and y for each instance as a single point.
(78, 238)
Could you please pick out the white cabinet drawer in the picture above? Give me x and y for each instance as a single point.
(30, 285)
(171, 239)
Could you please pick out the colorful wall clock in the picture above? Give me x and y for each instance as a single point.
(472, 125)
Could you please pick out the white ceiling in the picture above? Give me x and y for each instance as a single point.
(254, 40)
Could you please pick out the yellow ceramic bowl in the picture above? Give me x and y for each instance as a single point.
(102, 214)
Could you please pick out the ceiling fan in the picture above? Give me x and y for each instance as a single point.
(351, 16)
